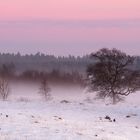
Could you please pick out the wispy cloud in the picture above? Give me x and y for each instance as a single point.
(128, 23)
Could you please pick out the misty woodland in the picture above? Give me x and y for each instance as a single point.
(110, 72)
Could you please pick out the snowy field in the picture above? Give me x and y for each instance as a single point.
(26, 116)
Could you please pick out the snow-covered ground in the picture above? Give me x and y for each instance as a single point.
(22, 118)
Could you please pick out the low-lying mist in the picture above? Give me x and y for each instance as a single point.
(30, 91)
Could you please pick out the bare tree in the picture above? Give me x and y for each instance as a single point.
(112, 75)
(4, 88)
(45, 89)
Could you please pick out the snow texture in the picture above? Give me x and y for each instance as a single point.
(69, 118)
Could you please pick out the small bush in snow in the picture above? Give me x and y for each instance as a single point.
(45, 89)
(4, 88)
(65, 101)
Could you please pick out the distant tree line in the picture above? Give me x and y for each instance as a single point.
(55, 69)
(55, 76)
(69, 69)
(42, 62)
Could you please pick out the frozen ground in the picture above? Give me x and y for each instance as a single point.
(79, 119)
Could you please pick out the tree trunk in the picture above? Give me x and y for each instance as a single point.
(114, 98)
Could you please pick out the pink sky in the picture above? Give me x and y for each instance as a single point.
(80, 26)
(69, 9)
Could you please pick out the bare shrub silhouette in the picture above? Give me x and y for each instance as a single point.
(45, 89)
(4, 88)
